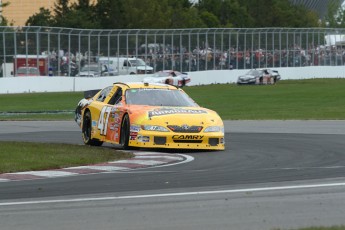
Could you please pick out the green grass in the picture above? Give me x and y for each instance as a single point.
(33, 106)
(320, 99)
(24, 156)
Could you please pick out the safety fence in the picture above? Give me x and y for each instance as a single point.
(185, 50)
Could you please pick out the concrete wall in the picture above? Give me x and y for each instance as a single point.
(65, 84)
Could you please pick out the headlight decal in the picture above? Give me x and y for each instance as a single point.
(154, 128)
(210, 129)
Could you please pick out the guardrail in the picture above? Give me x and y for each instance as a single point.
(71, 84)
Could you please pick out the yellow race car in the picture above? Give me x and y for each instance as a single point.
(149, 115)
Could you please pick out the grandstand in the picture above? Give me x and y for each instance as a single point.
(319, 6)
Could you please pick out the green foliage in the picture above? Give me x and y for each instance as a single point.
(335, 17)
(3, 20)
(42, 18)
(170, 14)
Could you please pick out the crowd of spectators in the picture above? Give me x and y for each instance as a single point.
(200, 59)
(235, 58)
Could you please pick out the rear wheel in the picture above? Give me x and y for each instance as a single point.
(86, 131)
(124, 135)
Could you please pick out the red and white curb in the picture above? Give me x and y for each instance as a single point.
(141, 160)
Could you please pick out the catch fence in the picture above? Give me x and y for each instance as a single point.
(183, 50)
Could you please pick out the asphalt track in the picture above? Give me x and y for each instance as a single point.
(273, 174)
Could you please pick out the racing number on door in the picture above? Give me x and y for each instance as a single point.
(103, 120)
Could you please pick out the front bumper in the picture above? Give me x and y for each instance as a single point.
(206, 141)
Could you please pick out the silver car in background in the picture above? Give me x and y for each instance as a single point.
(259, 77)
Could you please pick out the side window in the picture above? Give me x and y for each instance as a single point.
(116, 98)
(104, 93)
(125, 63)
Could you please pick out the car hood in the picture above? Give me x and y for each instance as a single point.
(174, 116)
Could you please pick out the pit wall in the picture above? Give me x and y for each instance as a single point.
(70, 84)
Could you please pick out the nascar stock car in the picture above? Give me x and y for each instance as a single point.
(170, 77)
(147, 115)
(259, 77)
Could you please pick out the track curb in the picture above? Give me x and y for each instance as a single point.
(140, 161)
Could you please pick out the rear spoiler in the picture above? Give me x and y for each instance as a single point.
(90, 93)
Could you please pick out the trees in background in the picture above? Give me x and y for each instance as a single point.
(3, 20)
(171, 14)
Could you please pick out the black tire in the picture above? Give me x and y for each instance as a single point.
(124, 135)
(86, 131)
(261, 80)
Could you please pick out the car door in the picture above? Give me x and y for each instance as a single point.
(111, 114)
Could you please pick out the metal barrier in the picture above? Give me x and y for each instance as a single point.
(184, 50)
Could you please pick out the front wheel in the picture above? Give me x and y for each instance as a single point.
(86, 131)
(124, 135)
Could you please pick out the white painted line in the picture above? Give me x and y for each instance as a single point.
(149, 153)
(264, 189)
(187, 160)
(4, 180)
(141, 162)
(165, 157)
(102, 168)
(49, 173)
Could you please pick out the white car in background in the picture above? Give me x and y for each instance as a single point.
(170, 77)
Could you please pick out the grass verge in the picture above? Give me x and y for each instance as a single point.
(319, 99)
(25, 156)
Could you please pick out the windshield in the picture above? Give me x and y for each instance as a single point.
(159, 97)
(137, 62)
(253, 72)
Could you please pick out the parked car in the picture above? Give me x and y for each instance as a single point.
(96, 70)
(259, 77)
(147, 115)
(169, 77)
(27, 71)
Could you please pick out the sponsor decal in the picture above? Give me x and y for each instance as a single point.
(143, 139)
(134, 128)
(169, 111)
(115, 109)
(187, 137)
(133, 135)
(112, 126)
(94, 123)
